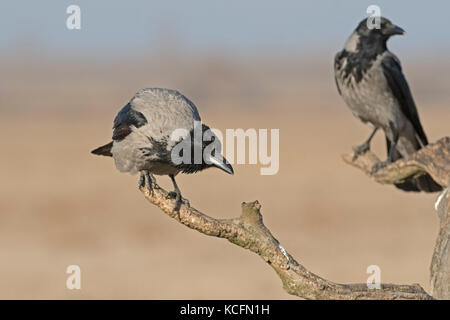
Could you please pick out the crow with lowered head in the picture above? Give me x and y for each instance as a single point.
(144, 141)
(370, 80)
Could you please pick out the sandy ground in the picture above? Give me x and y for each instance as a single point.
(60, 205)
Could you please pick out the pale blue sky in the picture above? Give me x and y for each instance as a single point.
(245, 27)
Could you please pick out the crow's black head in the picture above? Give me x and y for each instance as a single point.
(364, 45)
(204, 151)
(371, 32)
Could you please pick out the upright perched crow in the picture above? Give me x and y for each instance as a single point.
(143, 139)
(370, 80)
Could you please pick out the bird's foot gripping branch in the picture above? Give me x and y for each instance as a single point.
(249, 232)
(433, 159)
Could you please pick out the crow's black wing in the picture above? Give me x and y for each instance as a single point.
(126, 118)
(337, 67)
(400, 89)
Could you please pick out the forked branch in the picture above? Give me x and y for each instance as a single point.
(248, 231)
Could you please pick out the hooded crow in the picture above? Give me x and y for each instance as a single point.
(159, 132)
(370, 80)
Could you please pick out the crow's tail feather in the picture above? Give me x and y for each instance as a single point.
(103, 150)
(423, 183)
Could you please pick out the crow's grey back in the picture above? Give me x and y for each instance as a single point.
(165, 111)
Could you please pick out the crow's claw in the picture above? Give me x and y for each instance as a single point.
(178, 203)
(360, 150)
(378, 166)
(171, 195)
(147, 180)
(141, 183)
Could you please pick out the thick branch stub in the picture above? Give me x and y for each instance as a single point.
(251, 213)
(249, 232)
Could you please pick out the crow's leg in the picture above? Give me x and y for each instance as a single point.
(147, 180)
(174, 194)
(177, 194)
(363, 148)
(392, 148)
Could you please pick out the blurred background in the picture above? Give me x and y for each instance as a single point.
(245, 64)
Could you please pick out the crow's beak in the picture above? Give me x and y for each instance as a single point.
(221, 163)
(393, 29)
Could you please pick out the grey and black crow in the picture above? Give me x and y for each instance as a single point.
(143, 139)
(370, 80)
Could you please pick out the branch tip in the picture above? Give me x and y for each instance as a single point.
(251, 213)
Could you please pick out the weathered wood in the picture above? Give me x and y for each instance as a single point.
(248, 231)
(440, 263)
(434, 159)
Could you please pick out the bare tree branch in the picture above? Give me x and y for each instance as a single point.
(434, 159)
(248, 231)
(440, 263)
